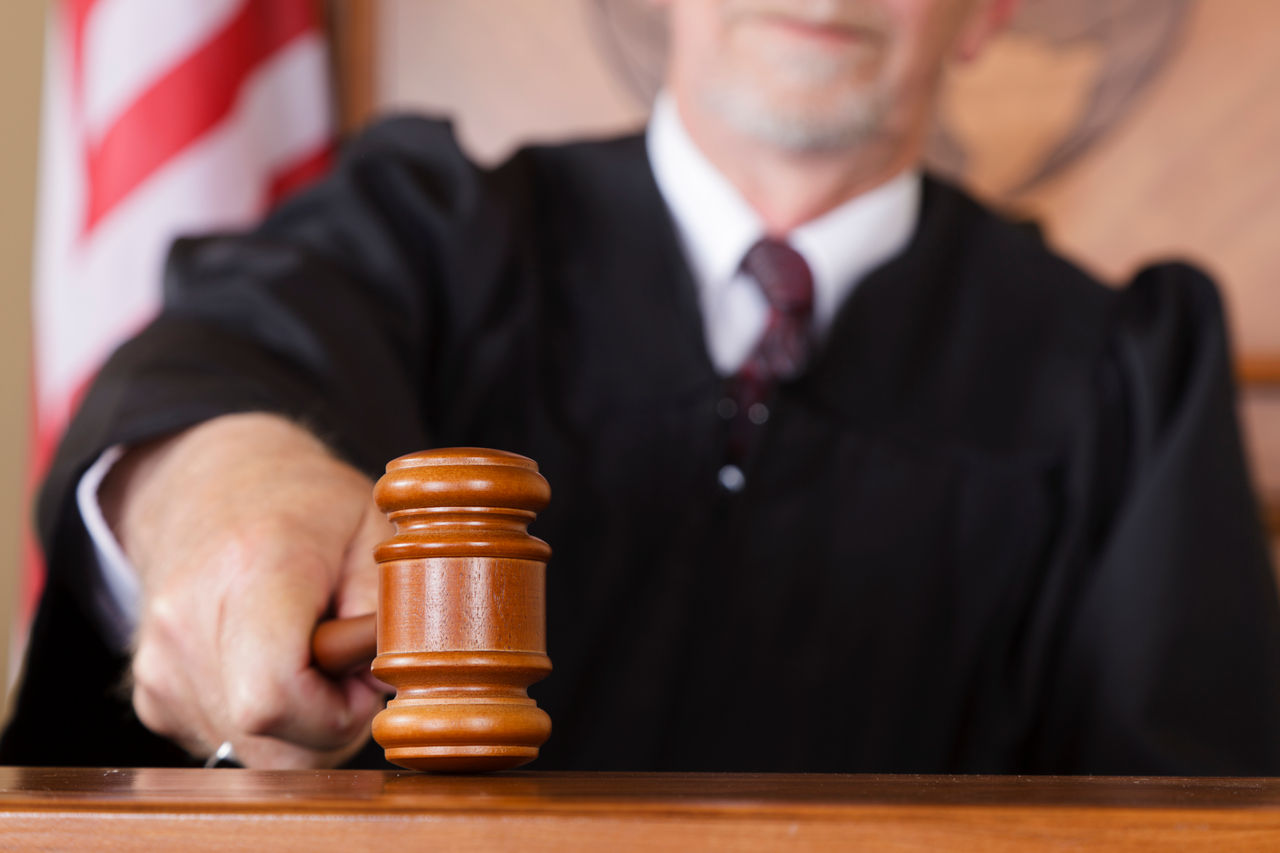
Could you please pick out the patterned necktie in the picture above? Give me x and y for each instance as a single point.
(784, 347)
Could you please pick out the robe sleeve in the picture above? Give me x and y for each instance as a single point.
(326, 314)
(1170, 656)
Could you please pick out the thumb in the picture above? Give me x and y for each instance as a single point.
(357, 589)
(357, 592)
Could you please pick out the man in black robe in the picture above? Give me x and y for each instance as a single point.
(998, 522)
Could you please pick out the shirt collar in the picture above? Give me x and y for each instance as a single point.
(713, 220)
(717, 226)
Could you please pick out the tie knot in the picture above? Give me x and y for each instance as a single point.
(783, 276)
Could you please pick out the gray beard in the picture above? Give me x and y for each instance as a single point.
(860, 118)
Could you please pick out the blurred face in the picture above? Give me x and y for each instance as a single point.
(812, 75)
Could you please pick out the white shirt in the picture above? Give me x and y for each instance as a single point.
(716, 227)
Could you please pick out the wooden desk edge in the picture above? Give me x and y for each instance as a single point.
(206, 810)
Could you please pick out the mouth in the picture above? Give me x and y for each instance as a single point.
(832, 34)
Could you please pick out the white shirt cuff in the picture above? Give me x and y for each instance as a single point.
(118, 593)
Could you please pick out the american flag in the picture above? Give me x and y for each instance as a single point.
(160, 117)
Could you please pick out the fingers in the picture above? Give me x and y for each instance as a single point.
(358, 591)
(158, 680)
(247, 545)
(279, 694)
(241, 672)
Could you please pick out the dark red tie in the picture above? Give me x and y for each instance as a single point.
(783, 349)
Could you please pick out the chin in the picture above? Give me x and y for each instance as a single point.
(801, 124)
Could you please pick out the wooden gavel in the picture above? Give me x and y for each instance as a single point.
(460, 630)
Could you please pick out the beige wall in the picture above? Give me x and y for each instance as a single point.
(506, 71)
(21, 42)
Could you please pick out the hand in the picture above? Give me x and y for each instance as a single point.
(245, 531)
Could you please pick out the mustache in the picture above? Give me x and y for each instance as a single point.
(852, 15)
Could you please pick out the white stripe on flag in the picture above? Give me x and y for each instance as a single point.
(129, 44)
(94, 288)
(95, 291)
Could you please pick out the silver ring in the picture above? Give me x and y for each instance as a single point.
(225, 754)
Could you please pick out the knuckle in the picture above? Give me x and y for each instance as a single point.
(156, 692)
(260, 712)
(145, 708)
(149, 708)
(163, 618)
(147, 669)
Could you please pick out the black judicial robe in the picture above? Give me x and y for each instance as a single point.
(1002, 524)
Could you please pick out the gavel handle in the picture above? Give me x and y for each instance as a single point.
(339, 646)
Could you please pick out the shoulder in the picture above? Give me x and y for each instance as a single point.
(1168, 346)
(411, 172)
(1173, 299)
(407, 159)
(1007, 262)
(1022, 323)
(1030, 332)
(402, 133)
(431, 143)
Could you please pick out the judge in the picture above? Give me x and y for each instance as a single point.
(849, 474)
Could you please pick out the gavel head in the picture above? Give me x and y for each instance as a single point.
(461, 615)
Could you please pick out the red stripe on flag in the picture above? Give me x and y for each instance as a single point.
(77, 15)
(299, 173)
(40, 449)
(46, 432)
(47, 425)
(189, 100)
